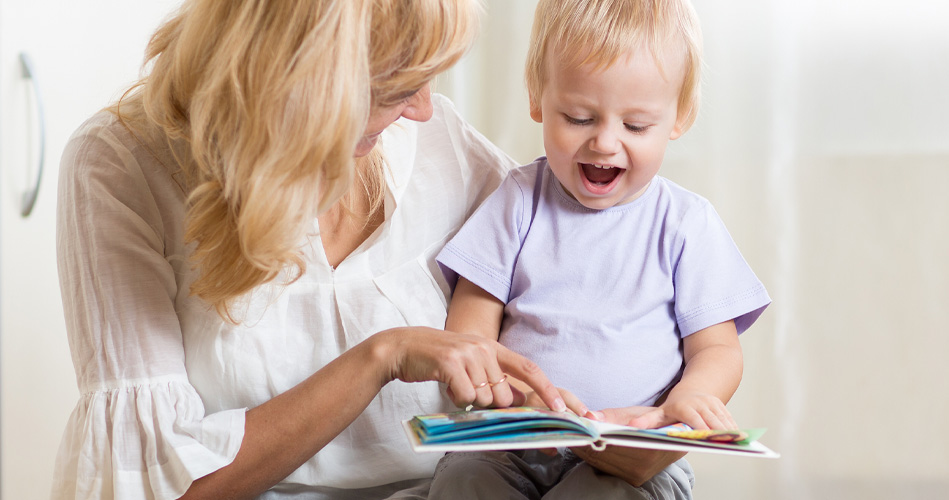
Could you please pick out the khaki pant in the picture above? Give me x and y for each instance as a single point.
(530, 474)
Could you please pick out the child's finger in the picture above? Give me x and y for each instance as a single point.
(728, 422)
(707, 420)
(716, 416)
(651, 420)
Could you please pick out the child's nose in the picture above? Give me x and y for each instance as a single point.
(605, 141)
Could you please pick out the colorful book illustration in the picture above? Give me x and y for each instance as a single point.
(522, 428)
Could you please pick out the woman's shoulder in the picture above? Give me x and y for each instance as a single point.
(112, 149)
(107, 167)
(99, 139)
(98, 147)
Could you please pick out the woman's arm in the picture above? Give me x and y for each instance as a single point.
(286, 431)
(283, 433)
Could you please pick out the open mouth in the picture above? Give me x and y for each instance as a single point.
(599, 179)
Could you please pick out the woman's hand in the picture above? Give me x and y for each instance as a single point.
(573, 403)
(633, 465)
(473, 368)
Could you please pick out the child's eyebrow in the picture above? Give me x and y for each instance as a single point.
(651, 114)
(637, 111)
(581, 100)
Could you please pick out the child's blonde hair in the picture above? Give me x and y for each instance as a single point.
(271, 99)
(599, 32)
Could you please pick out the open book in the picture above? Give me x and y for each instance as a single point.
(522, 428)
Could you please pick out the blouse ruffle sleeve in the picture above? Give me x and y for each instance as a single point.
(139, 430)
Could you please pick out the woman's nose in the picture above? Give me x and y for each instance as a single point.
(419, 106)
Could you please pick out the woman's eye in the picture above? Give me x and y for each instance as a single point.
(577, 121)
(407, 95)
(637, 129)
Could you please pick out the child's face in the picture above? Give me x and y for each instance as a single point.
(605, 132)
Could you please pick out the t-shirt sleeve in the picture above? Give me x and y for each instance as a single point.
(485, 250)
(139, 429)
(713, 282)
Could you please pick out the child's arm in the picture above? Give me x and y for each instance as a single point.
(475, 311)
(713, 367)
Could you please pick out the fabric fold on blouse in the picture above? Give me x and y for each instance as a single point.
(175, 442)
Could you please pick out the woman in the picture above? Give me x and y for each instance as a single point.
(246, 302)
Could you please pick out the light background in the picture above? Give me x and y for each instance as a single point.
(823, 143)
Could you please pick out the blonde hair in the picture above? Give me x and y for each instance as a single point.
(599, 32)
(271, 98)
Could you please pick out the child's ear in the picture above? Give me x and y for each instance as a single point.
(536, 114)
(677, 130)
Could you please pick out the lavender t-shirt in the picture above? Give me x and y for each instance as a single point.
(601, 299)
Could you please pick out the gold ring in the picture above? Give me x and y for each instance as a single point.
(482, 384)
(503, 379)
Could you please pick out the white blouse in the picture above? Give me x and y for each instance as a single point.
(165, 382)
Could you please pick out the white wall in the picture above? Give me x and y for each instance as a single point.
(823, 142)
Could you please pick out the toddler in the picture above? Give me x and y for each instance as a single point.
(625, 288)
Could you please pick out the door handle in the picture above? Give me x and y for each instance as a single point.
(28, 199)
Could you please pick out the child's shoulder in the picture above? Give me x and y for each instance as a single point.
(527, 176)
(532, 169)
(675, 194)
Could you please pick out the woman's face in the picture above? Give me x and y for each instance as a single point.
(415, 106)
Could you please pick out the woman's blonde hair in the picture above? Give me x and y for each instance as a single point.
(271, 99)
(599, 32)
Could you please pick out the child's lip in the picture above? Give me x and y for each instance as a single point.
(601, 165)
(599, 189)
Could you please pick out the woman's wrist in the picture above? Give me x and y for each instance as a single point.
(381, 354)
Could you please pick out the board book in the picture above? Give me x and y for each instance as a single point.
(523, 428)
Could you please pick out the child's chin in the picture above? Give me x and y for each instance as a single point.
(595, 203)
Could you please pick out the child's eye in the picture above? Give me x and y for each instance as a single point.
(637, 129)
(577, 121)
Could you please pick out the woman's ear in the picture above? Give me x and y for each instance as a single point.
(536, 114)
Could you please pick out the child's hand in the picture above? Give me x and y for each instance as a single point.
(699, 411)
(573, 403)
